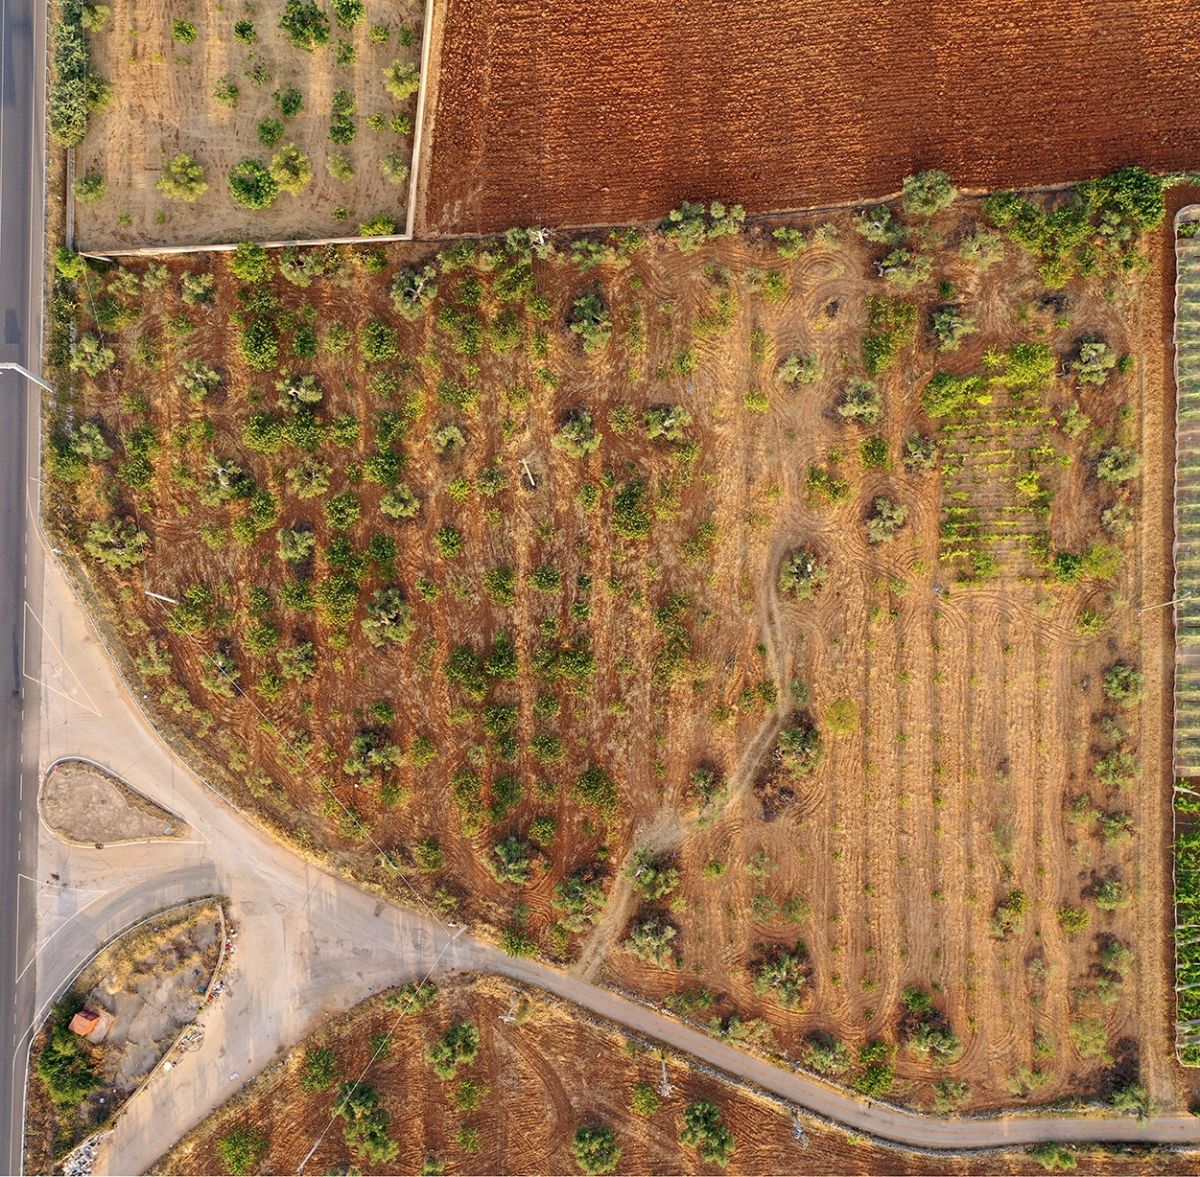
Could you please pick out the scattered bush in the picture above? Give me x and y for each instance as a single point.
(926, 193)
(402, 80)
(595, 1149)
(305, 24)
(291, 169)
(1122, 683)
(591, 320)
(242, 1149)
(802, 574)
(706, 1132)
(799, 747)
(885, 520)
(251, 185)
(182, 178)
(861, 402)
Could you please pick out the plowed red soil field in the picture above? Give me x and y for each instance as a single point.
(567, 113)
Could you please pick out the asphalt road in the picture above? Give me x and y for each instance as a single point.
(22, 187)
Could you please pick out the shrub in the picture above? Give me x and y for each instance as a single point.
(343, 510)
(798, 369)
(877, 1072)
(380, 225)
(270, 131)
(596, 787)
(1090, 1037)
(577, 435)
(65, 1062)
(668, 422)
(90, 188)
(860, 402)
(378, 342)
(802, 574)
(826, 1055)
(226, 92)
(510, 861)
(706, 1132)
(891, 327)
(244, 32)
(402, 80)
(885, 520)
(926, 193)
(595, 1149)
(650, 941)
(320, 1069)
(946, 394)
(1072, 920)
(339, 167)
(305, 24)
(250, 263)
(348, 12)
(644, 1100)
(950, 325)
(1111, 895)
(394, 167)
(1054, 1157)
(591, 320)
(291, 169)
(1122, 683)
(251, 185)
(799, 746)
(183, 178)
(242, 1149)
(183, 31)
(1118, 465)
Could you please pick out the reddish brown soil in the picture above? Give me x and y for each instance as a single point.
(571, 114)
(549, 1072)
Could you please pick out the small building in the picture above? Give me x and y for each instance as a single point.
(84, 1022)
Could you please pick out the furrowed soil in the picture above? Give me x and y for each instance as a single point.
(959, 698)
(163, 104)
(571, 115)
(546, 1071)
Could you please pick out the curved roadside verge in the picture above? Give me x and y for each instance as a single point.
(126, 1009)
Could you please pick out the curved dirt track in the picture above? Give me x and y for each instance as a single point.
(553, 114)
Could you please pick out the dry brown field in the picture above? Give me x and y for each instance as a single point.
(546, 1073)
(163, 104)
(568, 114)
(962, 713)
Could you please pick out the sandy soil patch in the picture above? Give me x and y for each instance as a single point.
(82, 803)
(164, 104)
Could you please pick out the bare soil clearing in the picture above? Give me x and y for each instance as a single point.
(81, 803)
(553, 115)
(548, 1070)
(163, 104)
(151, 983)
(570, 665)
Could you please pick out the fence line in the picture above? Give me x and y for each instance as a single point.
(1185, 736)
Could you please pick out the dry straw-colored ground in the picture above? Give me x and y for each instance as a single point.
(82, 803)
(163, 104)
